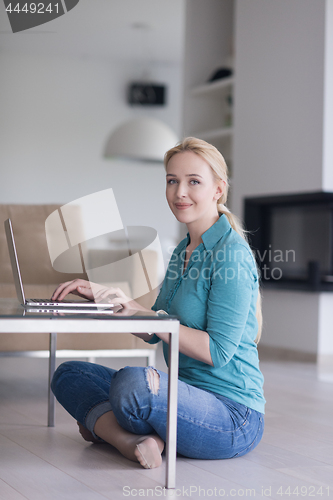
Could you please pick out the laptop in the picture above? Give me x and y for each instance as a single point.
(63, 305)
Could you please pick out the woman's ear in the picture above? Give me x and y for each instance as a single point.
(219, 189)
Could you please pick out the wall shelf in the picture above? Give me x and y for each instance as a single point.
(217, 133)
(213, 89)
(208, 106)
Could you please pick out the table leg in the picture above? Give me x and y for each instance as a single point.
(52, 362)
(171, 434)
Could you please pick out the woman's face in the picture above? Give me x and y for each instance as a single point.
(192, 190)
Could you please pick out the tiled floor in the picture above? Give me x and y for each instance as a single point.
(294, 459)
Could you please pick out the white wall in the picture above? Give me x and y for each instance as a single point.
(278, 97)
(56, 115)
(283, 137)
(327, 182)
(208, 45)
(325, 337)
(290, 320)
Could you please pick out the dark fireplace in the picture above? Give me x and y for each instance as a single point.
(292, 239)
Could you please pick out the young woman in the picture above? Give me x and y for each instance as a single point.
(211, 285)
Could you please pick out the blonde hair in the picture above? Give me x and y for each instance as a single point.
(220, 171)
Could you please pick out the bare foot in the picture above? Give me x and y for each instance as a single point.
(87, 435)
(148, 451)
(145, 449)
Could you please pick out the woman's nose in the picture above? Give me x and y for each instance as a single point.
(181, 190)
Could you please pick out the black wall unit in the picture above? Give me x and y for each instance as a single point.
(292, 239)
(146, 94)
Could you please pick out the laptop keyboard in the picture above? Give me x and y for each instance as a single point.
(50, 301)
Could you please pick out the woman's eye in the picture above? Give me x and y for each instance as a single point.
(193, 182)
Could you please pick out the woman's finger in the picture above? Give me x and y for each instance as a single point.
(86, 292)
(110, 293)
(113, 291)
(79, 287)
(59, 289)
(126, 302)
(100, 292)
(63, 286)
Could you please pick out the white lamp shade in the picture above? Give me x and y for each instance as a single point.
(144, 139)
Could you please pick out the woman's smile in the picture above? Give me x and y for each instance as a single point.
(183, 206)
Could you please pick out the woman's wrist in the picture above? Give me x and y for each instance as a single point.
(161, 312)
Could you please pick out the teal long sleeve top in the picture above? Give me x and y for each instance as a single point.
(217, 294)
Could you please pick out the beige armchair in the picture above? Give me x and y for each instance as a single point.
(40, 280)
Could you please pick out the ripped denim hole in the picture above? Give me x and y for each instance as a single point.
(153, 379)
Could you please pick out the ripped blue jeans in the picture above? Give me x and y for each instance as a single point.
(209, 426)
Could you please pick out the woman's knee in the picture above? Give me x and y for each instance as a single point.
(63, 371)
(133, 384)
(125, 380)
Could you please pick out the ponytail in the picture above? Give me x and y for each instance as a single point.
(234, 221)
(236, 224)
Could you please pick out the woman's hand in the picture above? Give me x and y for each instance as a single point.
(82, 288)
(117, 296)
(96, 293)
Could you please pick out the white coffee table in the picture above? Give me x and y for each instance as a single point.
(14, 319)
